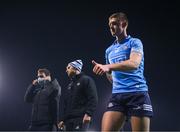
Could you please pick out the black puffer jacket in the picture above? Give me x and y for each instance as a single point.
(80, 98)
(45, 102)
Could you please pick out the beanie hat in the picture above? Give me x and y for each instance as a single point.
(77, 64)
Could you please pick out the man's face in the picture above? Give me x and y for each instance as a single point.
(41, 75)
(115, 26)
(70, 70)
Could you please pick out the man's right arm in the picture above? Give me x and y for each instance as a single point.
(61, 124)
(28, 97)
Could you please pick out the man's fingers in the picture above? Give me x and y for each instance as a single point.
(99, 71)
(96, 67)
(94, 63)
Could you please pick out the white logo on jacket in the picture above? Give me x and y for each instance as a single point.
(110, 104)
(78, 83)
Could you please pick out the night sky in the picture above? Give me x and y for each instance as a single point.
(51, 34)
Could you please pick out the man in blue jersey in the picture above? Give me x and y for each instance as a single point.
(124, 68)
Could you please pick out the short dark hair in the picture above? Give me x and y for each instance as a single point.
(119, 16)
(45, 71)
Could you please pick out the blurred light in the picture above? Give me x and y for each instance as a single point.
(1, 81)
(2, 78)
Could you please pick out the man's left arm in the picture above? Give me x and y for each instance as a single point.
(91, 94)
(55, 101)
(131, 64)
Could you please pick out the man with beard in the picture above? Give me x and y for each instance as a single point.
(80, 99)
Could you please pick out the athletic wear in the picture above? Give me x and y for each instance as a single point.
(130, 91)
(130, 81)
(131, 104)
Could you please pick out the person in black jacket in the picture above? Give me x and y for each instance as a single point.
(44, 94)
(80, 99)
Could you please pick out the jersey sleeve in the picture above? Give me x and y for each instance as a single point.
(137, 46)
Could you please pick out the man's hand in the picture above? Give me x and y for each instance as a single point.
(34, 82)
(86, 118)
(100, 69)
(61, 125)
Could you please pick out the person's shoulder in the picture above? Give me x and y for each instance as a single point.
(55, 83)
(87, 77)
(88, 80)
(135, 41)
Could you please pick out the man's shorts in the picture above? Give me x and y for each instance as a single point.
(131, 104)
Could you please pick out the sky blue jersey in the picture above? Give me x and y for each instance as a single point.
(126, 81)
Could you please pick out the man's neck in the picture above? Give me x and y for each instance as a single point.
(122, 36)
(77, 73)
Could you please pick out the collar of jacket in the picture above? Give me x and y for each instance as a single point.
(76, 77)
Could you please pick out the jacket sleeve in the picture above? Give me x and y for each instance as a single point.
(92, 97)
(55, 101)
(63, 107)
(30, 92)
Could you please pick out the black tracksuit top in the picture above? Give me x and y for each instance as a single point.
(80, 97)
(45, 102)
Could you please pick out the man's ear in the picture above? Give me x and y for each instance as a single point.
(48, 78)
(124, 24)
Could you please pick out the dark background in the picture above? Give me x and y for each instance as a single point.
(52, 34)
